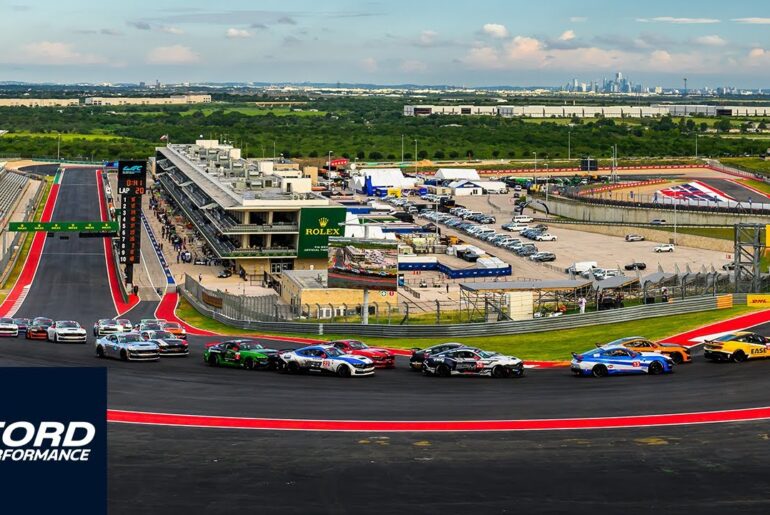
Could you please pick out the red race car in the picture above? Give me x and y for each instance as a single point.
(38, 329)
(382, 358)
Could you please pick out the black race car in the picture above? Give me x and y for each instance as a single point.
(23, 324)
(476, 362)
(636, 266)
(419, 355)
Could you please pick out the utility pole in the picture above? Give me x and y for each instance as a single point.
(696, 145)
(415, 156)
(534, 175)
(58, 146)
(402, 148)
(569, 143)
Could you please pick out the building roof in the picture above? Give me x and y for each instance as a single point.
(559, 284)
(307, 279)
(453, 174)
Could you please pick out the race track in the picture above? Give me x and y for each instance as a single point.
(674, 469)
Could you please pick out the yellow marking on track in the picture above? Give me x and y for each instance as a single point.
(653, 440)
(422, 443)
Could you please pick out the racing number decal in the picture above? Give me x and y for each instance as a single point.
(636, 364)
(326, 363)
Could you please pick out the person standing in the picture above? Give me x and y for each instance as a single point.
(582, 304)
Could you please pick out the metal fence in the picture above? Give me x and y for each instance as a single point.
(673, 307)
(237, 307)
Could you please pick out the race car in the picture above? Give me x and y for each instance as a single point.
(8, 327)
(66, 331)
(382, 358)
(738, 347)
(175, 328)
(419, 355)
(678, 353)
(150, 326)
(38, 330)
(325, 358)
(105, 326)
(125, 324)
(607, 361)
(127, 347)
(240, 353)
(23, 324)
(171, 346)
(42, 322)
(468, 361)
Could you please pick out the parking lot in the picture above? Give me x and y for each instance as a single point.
(572, 245)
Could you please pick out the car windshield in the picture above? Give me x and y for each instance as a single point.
(162, 334)
(171, 325)
(6, 320)
(123, 321)
(108, 321)
(67, 324)
(250, 346)
(486, 353)
(24, 321)
(130, 338)
(727, 337)
(332, 352)
(43, 321)
(355, 344)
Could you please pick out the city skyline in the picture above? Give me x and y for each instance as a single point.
(506, 43)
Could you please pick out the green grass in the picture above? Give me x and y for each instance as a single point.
(67, 137)
(555, 345)
(27, 242)
(722, 233)
(251, 111)
(752, 164)
(757, 185)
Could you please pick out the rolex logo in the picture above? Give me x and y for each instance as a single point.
(323, 222)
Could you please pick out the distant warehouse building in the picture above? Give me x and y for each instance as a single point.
(135, 101)
(259, 216)
(571, 111)
(39, 102)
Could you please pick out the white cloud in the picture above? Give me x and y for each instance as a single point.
(413, 66)
(567, 35)
(175, 54)
(578, 19)
(712, 40)
(57, 53)
(495, 30)
(757, 52)
(427, 38)
(758, 57)
(753, 21)
(681, 21)
(370, 64)
(172, 30)
(660, 57)
(233, 33)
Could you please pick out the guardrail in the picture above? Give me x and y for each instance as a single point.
(674, 307)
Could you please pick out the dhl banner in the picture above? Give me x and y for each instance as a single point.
(758, 300)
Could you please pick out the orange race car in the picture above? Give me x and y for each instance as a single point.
(677, 353)
(176, 329)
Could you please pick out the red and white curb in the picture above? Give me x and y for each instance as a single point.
(407, 426)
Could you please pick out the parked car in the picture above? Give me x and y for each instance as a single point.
(666, 247)
(636, 265)
(543, 256)
(522, 219)
(728, 266)
(546, 236)
(634, 237)
(658, 221)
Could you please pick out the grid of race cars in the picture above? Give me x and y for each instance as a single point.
(149, 339)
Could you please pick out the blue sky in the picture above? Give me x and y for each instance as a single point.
(486, 42)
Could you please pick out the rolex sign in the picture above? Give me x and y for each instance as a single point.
(316, 224)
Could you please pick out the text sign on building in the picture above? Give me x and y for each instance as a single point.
(132, 183)
(316, 225)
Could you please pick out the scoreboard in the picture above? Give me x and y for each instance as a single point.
(132, 183)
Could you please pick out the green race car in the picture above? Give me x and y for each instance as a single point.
(240, 353)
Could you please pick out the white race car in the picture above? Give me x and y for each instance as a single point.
(66, 331)
(127, 347)
(107, 326)
(8, 327)
(324, 358)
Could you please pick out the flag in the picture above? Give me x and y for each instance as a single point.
(164, 137)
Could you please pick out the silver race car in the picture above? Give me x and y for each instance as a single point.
(127, 347)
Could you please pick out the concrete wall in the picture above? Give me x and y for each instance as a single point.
(600, 213)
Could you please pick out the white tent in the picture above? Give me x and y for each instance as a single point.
(492, 186)
(383, 178)
(454, 174)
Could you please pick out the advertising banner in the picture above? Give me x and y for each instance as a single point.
(316, 225)
(132, 183)
(358, 264)
(63, 226)
(758, 300)
(53, 440)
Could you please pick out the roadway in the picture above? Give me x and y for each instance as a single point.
(678, 469)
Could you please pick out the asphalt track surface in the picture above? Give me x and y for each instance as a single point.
(684, 469)
(735, 190)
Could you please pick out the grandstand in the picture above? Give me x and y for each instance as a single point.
(11, 189)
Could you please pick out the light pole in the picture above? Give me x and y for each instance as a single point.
(273, 150)
(696, 145)
(569, 143)
(534, 175)
(402, 148)
(547, 182)
(329, 164)
(415, 156)
(58, 146)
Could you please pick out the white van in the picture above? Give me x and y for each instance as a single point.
(483, 231)
(522, 219)
(580, 267)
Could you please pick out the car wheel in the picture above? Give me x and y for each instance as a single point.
(499, 372)
(600, 371)
(739, 356)
(124, 355)
(213, 361)
(99, 351)
(443, 371)
(249, 364)
(655, 368)
(55, 337)
(343, 371)
(677, 358)
(292, 367)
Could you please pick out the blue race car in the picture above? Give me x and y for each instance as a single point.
(617, 360)
(325, 358)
